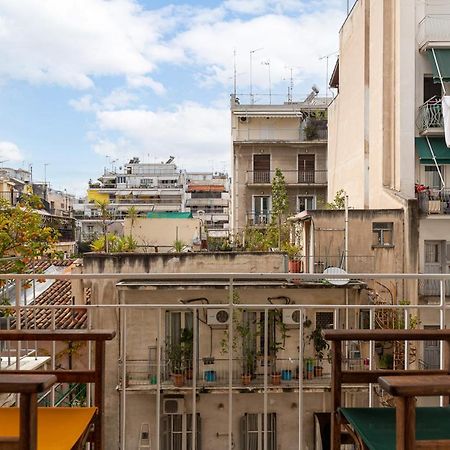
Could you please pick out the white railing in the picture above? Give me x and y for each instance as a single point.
(155, 373)
(430, 116)
(434, 28)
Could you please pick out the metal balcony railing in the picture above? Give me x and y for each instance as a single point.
(294, 134)
(291, 176)
(258, 218)
(434, 201)
(434, 29)
(430, 119)
(220, 371)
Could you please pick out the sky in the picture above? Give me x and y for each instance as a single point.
(88, 84)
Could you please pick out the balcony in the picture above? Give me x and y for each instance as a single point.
(434, 202)
(434, 31)
(430, 120)
(258, 218)
(136, 391)
(301, 134)
(292, 177)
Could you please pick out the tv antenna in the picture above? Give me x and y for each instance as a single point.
(267, 63)
(327, 57)
(252, 99)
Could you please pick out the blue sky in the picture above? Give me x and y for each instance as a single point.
(87, 82)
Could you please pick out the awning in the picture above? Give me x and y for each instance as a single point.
(440, 149)
(169, 215)
(206, 188)
(441, 56)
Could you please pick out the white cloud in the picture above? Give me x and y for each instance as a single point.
(286, 41)
(68, 42)
(140, 81)
(193, 133)
(10, 152)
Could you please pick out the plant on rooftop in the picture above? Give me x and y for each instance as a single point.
(24, 236)
(280, 202)
(178, 245)
(114, 244)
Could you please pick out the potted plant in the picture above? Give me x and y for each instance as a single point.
(320, 346)
(248, 351)
(294, 262)
(175, 356)
(386, 361)
(187, 351)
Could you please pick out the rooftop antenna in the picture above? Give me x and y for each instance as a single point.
(234, 74)
(291, 84)
(267, 63)
(252, 99)
(327, 87)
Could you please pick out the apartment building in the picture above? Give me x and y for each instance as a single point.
(180, 325)
(292, 137)
(386, 136)
(207, 197)
(144, 186)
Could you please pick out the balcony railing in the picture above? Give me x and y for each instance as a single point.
(434, 201)
(430, 120)
(281, 134)
(153, 375)
(12, 197)
(258, 218)
(315, 177)
(433, 30)
(318, 264)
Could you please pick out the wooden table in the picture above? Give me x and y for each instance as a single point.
(405, 389)
(28, 386)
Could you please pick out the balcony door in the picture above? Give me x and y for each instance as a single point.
(261, 205)
(261, 168)
(305, 203)
(432, 178)
(306, 168)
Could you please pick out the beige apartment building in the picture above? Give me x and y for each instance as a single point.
(386, 137)
(292, 137)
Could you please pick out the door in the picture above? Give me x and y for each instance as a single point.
(306, 168)
(433, 264)
(431, 351)
(305, 203)
(261, 209)
(261, 168)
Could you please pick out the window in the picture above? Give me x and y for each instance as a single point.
(324, 319)
(252, 431)
(261, 209)
(382, 234)
(120, 180)
(432, 178)
(176, 433)
(306, 168)
(431, 89)
(305, 203)
(261, 168)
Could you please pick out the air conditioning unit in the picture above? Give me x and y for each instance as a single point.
(291, 317)
(173, 405)
(218, 317)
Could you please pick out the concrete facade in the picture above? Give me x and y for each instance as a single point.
(291, 137)
(138, 333)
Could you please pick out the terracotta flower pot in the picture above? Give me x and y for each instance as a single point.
(178, 379)
(276, 378)
(246, 379)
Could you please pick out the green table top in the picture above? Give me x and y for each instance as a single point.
(376, 426)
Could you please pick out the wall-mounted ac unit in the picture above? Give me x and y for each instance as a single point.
(173, 405)
(291, 317)
(218, 317)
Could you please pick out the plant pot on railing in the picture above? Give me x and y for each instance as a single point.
(276, 378)
(178, 379)
(286, 375)
(210, 376)
(295, 266)
(246, 379)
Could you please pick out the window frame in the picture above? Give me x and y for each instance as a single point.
(380, 230)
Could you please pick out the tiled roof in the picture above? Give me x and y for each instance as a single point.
(39, 266)
(59, 293)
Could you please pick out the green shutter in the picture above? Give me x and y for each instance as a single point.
(443, 61)
(440, 149)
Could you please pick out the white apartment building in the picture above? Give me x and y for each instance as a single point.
(386, 143)
(292, 137)
(207, 197)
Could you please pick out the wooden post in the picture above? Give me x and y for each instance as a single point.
(28, 421)
(99, 400)
(405, 413)
(336, 351)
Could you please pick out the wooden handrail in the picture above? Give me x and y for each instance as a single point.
(57, 335)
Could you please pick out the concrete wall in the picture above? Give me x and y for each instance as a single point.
(163, 232)
(141, 333)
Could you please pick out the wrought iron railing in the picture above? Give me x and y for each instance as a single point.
(291, 176)
(430, 116)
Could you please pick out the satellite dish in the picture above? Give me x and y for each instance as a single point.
(336, 271)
